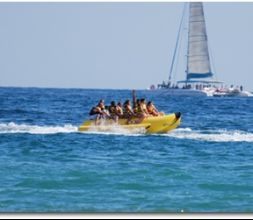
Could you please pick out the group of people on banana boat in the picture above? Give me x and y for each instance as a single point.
(139, 110)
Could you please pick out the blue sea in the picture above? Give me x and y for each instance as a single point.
(46, 165)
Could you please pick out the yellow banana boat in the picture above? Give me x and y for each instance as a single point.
(160, 124)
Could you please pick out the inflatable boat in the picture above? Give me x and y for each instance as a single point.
(151, 125)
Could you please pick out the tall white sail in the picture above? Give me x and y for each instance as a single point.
(198, 62)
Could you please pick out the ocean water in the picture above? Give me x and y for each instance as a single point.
(205, 165)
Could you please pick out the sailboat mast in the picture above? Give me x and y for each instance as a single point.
(177, 43)
(188, 46)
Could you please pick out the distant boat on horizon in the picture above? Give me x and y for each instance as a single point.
(199, 75)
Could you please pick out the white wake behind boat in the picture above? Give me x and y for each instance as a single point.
(199, 75)
(232, 93)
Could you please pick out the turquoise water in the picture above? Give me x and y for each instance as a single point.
(47, 166)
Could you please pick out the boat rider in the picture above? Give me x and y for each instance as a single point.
(137, 106)
(105, 109)
(119, 110)
(152, 110)
(113, 111)
(107, 112)
(143, 108)
(128, 112)
(138, 111)
(101, 105)
(99, 111)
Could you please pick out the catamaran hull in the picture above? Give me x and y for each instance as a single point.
(187, 92)
(151, 125)
(233, 94)
(208, 92)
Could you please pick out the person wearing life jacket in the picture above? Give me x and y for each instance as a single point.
(137, 106)
(98, 112)
(128, 112)
(113, 111)
(152, 110)
(112, 108)
(101, 104)
(119, 110)
(107, 112)
(138, 111)
(143, 108)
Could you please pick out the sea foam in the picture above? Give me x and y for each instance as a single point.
(180, 133)
(13, 128)
(35, 129)
(219, 135)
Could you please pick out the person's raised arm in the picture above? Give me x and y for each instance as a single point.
(134, 98)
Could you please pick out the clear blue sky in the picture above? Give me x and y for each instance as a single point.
(115, 45)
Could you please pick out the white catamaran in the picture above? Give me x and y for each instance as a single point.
(199, 75)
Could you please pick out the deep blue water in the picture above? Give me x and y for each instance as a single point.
(47, 166)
